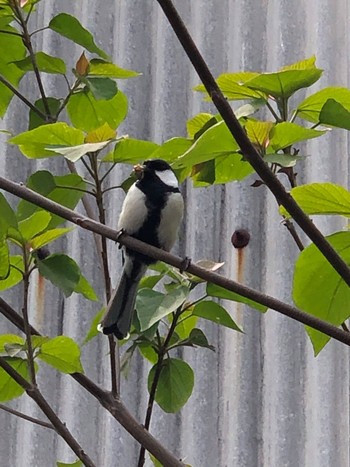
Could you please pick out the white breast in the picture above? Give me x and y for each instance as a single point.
(170, 221)
(134, 211)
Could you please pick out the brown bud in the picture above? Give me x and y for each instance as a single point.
(240, 238)
(82, 65)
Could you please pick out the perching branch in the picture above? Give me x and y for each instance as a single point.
(114, 405)
(58, 425)
(249, 151)
(160, 255)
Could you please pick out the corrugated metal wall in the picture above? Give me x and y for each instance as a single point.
(261, 400)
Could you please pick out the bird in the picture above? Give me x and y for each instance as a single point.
(152, 212)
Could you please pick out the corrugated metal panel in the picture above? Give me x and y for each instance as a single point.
(262, 399)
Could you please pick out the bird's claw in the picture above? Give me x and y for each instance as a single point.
(185, 264)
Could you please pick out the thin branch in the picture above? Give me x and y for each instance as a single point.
(29, 46)
(161, 255)
(11, 33)
(272, 110)
(22, 98)
(107, 173)
(114, 405)
(38, 30)
(111, 188)
(86, 192)
(30, 352)
(248, 149)
(291, 229)
(66, 99)
(163, 349)
(26, 417)
(60, 428)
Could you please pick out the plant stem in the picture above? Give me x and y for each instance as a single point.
(22, 98)
(26, 417)
(59, 426)
(28, 44)
(163, 349)
(30, 353)
(114, 362)
(272, 110)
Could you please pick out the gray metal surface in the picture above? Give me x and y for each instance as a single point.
(262, 400)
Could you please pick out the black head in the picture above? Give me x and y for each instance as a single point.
(157, 165)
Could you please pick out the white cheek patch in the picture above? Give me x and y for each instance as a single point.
(168, 177)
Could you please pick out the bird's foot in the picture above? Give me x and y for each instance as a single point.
(119, 234)
(185, 264)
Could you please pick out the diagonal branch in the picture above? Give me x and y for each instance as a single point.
(161, 255)
(249, 151)
(113, 405)
(26, 417)
(59, 426)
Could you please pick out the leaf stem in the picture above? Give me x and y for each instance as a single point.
(272, 110)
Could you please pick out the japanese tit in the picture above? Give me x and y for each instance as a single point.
(151, 212)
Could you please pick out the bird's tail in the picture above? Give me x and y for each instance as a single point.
(120, 308)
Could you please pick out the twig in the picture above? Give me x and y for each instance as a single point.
(26, 417)
(12, 33)
(114, 405)
(152, 394)
(30, 353)
(22, 98)
(28, 44)
(59, 427)
(249, 151)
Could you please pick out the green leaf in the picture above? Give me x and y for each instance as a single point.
(286, 134)
(78, 463)
(214, 312)
(62, 353)
(101, 68)
(175, 384)
(4, 260)
(9, 339)
(68, 26)
(15, 276)
(93, 331)
(46, 184)
(7, 217)
(34, 224)
(45, 63)
(283, 84)
(259, 132)
(308, 63)
(147, 351)
(85, 289)
(216, 141)
(172, 148)
(62, 271)
(199, 339)
(102, 88)
(232, 86)
(129, 151)
(151, 306)
(48, 237)
(9, 389)
(33, 143)
(284, 160)
(34, 119)
(186, 324)
(74, 153)
(214, 290)
(319, 290)
(12, 48)
(321, 198)
(88, 113)
(312, 106)
(333, 113)
(196, 123)
(155, 462)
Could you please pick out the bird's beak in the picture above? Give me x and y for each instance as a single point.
(139, 170)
